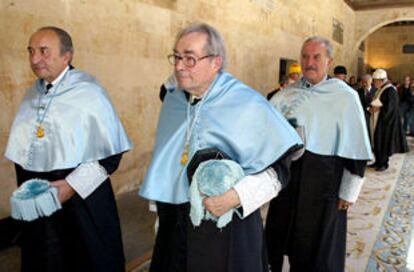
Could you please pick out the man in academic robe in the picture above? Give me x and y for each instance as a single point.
(386, 128)
(307, 221)
(67, 132)
(407, 105)
(209, 114)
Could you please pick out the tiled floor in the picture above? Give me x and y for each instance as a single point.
(380, 225)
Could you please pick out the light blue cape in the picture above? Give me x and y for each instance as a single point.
(234, 119)
(80, 125)
(332, 117)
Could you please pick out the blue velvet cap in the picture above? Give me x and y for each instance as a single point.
(33, 199)
(212, 177)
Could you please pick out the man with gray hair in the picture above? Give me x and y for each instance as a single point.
(68, 134)
(307, 221)
(209, 114)
(366, 93)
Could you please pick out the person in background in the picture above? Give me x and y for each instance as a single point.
(295, 73)
(355, 84)
(340, 73)
(387, 134)
(283, 83)
(366, 93)
(407, 105)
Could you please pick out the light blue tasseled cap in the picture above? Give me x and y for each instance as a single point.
(212, 177)
(33, 199)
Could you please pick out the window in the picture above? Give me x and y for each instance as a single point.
(408, 49)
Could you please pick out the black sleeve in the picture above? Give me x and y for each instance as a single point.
(111, 163)
(163, 92)
(390, 103)
(356, 167)
(204, 155)
(282, 166)
(270, 95)
(21, 174)
(403, 95)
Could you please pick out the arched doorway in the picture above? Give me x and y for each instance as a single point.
(369, 24)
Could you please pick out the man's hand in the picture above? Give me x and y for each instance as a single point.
(219, 205)
(343, 204)
(65, 192)
(374, 109)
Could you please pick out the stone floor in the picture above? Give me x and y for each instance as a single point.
(137, 225)
(380, 226)
(366, 218)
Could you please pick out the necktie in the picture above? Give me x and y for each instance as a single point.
(195, 101)
(48, 86)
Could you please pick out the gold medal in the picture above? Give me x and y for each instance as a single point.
(40, 132)
(184, 156)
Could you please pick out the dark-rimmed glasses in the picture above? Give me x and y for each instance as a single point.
(188, 61)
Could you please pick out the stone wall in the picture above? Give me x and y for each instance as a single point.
(384, 50)
(124, 43)
(368, 21)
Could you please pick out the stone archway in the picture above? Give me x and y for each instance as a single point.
(367, 22)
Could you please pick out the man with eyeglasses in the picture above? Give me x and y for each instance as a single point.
(209, 114)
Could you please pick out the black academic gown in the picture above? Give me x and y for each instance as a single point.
(407, 109)
(181, 247)
(389, 136)
(272, 93)
(84, 235)
(238, 247)
(304, 222)
(366, 98)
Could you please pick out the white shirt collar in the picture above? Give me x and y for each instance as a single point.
(308, 84)
(193, 97)
(58, 79)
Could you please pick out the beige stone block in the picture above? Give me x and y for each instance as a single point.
(7, 186)
(153, 19)
(167, 4)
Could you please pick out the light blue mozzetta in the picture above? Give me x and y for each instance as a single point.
(331, 116)
(234, 119)
(80, 125)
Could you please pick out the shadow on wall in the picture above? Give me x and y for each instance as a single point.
(397, 73)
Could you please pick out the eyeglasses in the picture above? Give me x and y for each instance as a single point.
(188, 61)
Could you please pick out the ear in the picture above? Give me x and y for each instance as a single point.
(330, 61)
(218, 63)
(67, 57)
